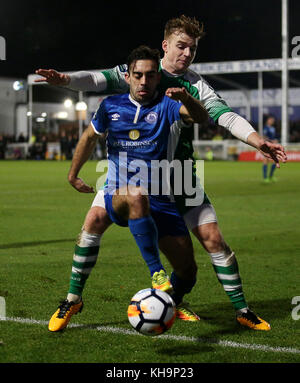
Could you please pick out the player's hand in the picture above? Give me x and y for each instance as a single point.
(80, 185)
(178, 94)
(274, 152)
(52, 77)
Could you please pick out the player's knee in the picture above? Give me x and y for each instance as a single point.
(212, 239)
(138, 201)
(97, 220)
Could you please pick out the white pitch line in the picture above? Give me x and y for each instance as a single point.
(118, 330)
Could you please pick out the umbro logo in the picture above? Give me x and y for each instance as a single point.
(115, 117)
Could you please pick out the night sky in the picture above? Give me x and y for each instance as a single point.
(67, 37)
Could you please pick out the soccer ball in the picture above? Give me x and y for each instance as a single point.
(151, 312)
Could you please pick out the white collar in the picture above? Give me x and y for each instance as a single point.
(137, 104)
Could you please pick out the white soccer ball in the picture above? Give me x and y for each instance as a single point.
(151, 312)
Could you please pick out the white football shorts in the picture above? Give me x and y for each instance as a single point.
(99, 199)
(200, 215)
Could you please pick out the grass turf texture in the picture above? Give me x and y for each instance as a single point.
(41, 217)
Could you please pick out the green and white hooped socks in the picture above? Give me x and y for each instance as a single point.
(84, 259)
(227, 271)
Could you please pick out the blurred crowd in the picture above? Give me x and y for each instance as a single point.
(38, 145)
(44, 146)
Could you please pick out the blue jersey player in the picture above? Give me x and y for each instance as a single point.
(140, 129)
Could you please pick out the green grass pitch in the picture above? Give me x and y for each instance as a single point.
(41, 216)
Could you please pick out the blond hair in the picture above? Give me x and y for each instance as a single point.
(188, 25)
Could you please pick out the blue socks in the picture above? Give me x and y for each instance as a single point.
(273, 167)
(265, 171)
(145, 234)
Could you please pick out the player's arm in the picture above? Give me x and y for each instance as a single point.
(82, 153)
(80, 81)
(241, 129)
(102, 81)
(191, 110)
(52, 77)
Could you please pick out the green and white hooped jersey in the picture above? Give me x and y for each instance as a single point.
(181, 141)
(192, 81)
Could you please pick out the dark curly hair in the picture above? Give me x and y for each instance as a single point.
(143, 52)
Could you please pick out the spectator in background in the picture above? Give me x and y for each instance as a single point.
(69, 147)
(209, 155)
(44, 147)
(269, 133)
(218, 136)
(75, 141)
(32, 139)
(63, 145)
(32, 147)
(21, 137)
(2, 147)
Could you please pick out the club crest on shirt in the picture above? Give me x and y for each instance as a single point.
(151, 117)
(134, 134)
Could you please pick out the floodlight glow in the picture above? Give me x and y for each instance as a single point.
(61, 115)
(68, 103)
(81, 105)
(18, 85)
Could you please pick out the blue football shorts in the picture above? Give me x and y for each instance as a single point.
(165, 215)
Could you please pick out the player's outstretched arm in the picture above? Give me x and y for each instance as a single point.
(52, 77)
(82, 153)
(241, 129)
(102, 81)
(192, 109)
(80, 81)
